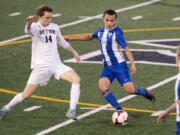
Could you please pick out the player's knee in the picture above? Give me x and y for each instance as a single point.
(76, 79)
(129, 87)
(102, 88)
(131, 90)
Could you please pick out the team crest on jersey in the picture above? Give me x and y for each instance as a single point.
(109, 34)
(46, 31)
(161, 56)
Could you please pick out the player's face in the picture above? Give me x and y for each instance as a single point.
(45, 20)
(109, 21)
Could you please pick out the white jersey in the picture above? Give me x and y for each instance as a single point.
(44, 44)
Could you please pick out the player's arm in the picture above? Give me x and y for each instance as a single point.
(29, 22)
(178, 56)
(131, 59)
(79, 38)
(74, 52)
(162, 117)
(61, 41)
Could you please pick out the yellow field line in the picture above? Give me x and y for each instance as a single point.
(130, 30)
(152, 29)
(16, 42)
(86, 104)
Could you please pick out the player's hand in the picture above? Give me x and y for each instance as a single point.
(162, 117)
(133, 69)
(30, 19)
(68, 38)
(77, 57)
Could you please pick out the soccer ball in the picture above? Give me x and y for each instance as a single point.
(120, 117)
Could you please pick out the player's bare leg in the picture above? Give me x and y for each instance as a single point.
(104, 84)
(130, 88)
(72, 77)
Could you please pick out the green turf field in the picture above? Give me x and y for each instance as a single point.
(15, 69)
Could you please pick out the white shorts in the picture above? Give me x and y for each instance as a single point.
(42, 74)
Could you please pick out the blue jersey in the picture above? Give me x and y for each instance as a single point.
(177, 97)
(111, 42)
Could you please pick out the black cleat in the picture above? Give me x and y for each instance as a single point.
(149, 96)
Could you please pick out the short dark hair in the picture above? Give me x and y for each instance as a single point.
(42, 9)
(110, 12)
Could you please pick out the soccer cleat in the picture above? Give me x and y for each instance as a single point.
(3, 112)
(149, 96)
(71, 114)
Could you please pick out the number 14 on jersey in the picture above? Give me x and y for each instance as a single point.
(48, 38)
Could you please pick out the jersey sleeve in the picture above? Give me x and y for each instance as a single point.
(60, 40)
(31, 30)
(95, 34)
(120, 39)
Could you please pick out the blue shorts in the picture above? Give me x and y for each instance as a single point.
(119, 71)
(178, 128)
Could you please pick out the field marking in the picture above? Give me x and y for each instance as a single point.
(46, 131)
(155, 43)
(129, 30)
(89, 19)
(15, 14)
(98, 52)
(136, 17)
(48, 98)
(153, 113)
(91, 108)
(32, 108)
(79, 103)
(57, 15)
(176, 19)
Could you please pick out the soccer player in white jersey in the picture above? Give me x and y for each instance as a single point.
(45, 60)
(111, 41)
(175, 106)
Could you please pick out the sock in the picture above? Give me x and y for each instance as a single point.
(140, 91)
(16, 100)
(74, 96)
(112, 100)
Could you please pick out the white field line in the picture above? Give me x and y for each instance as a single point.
(98, 52)
(136, 62)
(150, 43)
(15, 14)
(88, 19)
(32, 108)
(176, 19)
(57, 15)
(51, 129)
(136, 17)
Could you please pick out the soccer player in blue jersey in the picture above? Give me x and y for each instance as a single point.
(176, 105)
(111, 41)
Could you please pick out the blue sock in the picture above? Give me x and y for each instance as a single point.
(112, 100)
(140, 91)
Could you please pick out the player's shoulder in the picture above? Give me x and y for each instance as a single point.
(34, 24)
(100, 28)
(54, 25)
(118, 29)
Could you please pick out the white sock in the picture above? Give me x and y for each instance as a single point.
(74, 96)
(16, 100)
